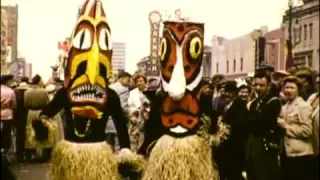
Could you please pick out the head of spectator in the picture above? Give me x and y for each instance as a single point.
(230, 90)
(291, 87)
(124, 78)
(217, 79)
(243, 89)
(140, 82)
(266, 67)
(262, 84)
(221, 88)
(37, 81)
(7, 80)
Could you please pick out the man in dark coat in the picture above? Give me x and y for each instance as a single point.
(264, 133)
(21, 117)
(230, 154)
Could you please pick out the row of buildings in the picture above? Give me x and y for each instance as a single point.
(13, 62)
(236, 57)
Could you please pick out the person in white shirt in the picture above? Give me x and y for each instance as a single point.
(136, 95)
(136, 101)
(121, 87)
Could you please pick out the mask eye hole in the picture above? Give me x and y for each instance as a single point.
(105, 42)
(82, 40)
(163, 49)
(195, 47)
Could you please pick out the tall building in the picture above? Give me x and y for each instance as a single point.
(12, 36)
(17, 68)
(118, 56)
(143, 65)
(28, 70)
(275, 49)
(239, 55)
(305, 33)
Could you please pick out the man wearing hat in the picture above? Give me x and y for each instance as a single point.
(230, 154)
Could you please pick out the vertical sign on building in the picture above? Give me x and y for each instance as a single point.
(4, 36)
(153, 66)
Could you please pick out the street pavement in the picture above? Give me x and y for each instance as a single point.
(33, 171)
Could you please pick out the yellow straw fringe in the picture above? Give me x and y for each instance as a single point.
(91, 161)
(188, 158)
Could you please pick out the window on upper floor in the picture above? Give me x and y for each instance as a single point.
(217, 67)
(305, 32)
(310, 30)
(234, 65)
(227, 66)
(241, 64)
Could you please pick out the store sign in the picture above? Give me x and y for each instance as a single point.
(4, 40)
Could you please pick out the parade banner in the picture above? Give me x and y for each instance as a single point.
(4, 41)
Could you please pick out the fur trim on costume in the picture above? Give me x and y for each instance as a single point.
(134, 161)
(218, 137)
(87, 161)
(32, 143)
(180, 159)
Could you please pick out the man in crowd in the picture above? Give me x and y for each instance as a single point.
(231, 153)
(264, 140)
(8, 106)
(121, 87)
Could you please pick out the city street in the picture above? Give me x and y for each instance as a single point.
(33, 171)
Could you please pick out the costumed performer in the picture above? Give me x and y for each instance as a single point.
(88, 102)
(181, 129)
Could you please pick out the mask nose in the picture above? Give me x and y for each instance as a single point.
(92, 70)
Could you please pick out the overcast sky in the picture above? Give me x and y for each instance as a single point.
(42, 23)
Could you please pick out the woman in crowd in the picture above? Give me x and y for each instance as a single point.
(295, 120)
(314, 102)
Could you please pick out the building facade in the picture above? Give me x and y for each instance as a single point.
(234, 57)
(305, 33)
(118, 56)
(12, 29)
(217, 55)
(206, 64)
(275, 49)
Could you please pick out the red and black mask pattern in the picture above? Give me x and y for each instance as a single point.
(181, 57)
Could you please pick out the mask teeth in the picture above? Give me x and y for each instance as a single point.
(88, 92)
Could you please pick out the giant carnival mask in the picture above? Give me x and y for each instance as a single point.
(89, 62)
(181, 72)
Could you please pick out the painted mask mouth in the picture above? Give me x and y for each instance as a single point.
(88, 93)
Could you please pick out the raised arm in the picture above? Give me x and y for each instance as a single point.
(56, 104)
(119, 119)
(152, 127)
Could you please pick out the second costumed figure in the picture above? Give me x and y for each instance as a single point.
(182, 129)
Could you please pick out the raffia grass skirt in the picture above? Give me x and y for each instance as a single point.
(186, 158)
(87, 161)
